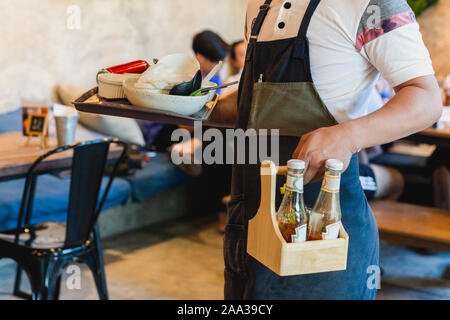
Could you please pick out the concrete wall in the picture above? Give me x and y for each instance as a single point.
(41, 45)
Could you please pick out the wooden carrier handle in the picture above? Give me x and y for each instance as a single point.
(265, 241)
(282, 171)
(269, 172)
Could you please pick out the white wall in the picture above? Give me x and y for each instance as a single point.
(38, 50)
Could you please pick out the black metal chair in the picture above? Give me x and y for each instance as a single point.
(44, 250)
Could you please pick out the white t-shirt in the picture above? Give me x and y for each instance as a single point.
(351, 43)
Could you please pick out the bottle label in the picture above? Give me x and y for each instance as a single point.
(294, 182)
(331, 184)
(300, 234)
(332, 231)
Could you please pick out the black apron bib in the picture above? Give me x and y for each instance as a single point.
(286, 99)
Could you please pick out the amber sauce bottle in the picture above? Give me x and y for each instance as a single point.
(292, 215)
(325, 217)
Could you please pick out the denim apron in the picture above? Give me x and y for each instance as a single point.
(277, 92)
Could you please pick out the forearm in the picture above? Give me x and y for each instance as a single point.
(415, 107)
(225, 112)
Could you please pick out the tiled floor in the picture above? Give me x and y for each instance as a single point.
(183, 260)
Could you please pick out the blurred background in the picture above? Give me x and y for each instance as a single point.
(49, 42)
(51, 51)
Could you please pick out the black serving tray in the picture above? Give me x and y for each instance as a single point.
(90, 102)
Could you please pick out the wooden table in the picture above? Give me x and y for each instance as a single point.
(413, 225)
(437, 132)
(437, 136)
(16, 156)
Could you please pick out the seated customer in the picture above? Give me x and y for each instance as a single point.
(379, 182)
(237, 62)
(439, 163)
(439, 167)
(210, 49)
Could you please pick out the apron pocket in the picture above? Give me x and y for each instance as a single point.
(295, 108)
(235, 240)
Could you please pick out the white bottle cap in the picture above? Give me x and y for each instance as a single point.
(296, 164)
(334, 164)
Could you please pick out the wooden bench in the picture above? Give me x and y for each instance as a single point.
(413, 225)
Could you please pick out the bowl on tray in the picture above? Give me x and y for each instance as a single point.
(155, 99)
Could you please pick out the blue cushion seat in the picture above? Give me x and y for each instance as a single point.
(51, 199)
(11, 121)
(52, 193)
(157, 176)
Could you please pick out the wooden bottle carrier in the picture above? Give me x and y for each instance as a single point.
(267, 245)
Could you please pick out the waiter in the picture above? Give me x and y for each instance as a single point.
(310, 70)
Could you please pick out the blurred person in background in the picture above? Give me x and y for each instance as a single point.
(210, 49)
(439, 162)
(236, 65)
(379, 182)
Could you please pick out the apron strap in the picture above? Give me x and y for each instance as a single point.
(257, 28)
(301, 40)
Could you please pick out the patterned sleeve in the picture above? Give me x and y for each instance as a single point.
(389, 37)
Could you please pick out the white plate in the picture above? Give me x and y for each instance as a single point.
(152, 99)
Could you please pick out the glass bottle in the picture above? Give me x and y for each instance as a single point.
(325, 217)
(292, 215)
